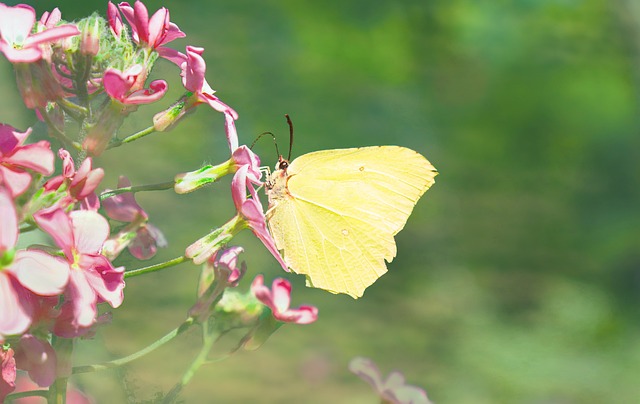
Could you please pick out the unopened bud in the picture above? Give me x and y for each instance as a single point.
(90, 36)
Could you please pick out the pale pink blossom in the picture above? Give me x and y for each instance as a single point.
(222, 267)
(127, 86)
(146, 237)
(17, 42)
(23, 273)
(7, 372)
(153, 32)
(225, 263)
(93, 279)
(278, 299)
(392, 389)
(18, 159)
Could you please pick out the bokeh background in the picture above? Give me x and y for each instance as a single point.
(517, 278)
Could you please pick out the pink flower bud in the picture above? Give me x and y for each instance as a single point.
(90, 37)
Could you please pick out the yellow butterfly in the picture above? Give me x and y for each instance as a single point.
(333, 213)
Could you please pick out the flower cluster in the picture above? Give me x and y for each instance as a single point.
(83, 79)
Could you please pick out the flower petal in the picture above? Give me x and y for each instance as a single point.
(14, 306)
(90, 230)
(9, 222)
(40, 272)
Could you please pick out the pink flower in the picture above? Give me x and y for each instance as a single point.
(146, 237)
(278, 299)
(38, 358)
(223, 268)
(80, 185)
(115, 21)
(251, 210)
(225, 263)
(93, 279)
(126, 87)
(393, 389)
(193, 72)
(153, 32)
(16, 41)
(16, 159)
(7, 372)
(23, 273)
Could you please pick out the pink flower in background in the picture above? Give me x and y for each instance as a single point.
(278, 299)
(226, 261)
(23, 273)
(38, 358)
(16, 159)
(7, 372)
(93, 279)
(391, 390)
(81, 184)
(124, 208)
(251, 210)
(16, 41)
(154, 32)
(127, 87)
(51, 19)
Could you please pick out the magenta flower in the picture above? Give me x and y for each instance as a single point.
(7, 372)
(142, 238)
(278, 299)
(80, 185)
(391, 390)
(23, 273)
(16, 41)
(93, 279)
(251, 210)
(17, 159)
(114, 19)
(127, 87)
(154, 32)
(38, 358)
(193, 72)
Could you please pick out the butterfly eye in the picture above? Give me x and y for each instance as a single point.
(283, 165)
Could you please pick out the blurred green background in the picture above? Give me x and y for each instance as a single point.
(517, 278)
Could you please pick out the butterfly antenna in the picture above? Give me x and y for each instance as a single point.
(275, 142)
(290, 135)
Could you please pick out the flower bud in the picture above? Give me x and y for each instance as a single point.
(90, 35)
(189, 182)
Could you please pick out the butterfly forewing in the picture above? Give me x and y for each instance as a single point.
(343, 207)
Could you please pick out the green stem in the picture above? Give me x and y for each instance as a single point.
(156, 267)
(57, 133)
(76, 111)
(64, 352)
(23, 394)
(150, 348)
(208, 339)
(133, 137)
(152, 187)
